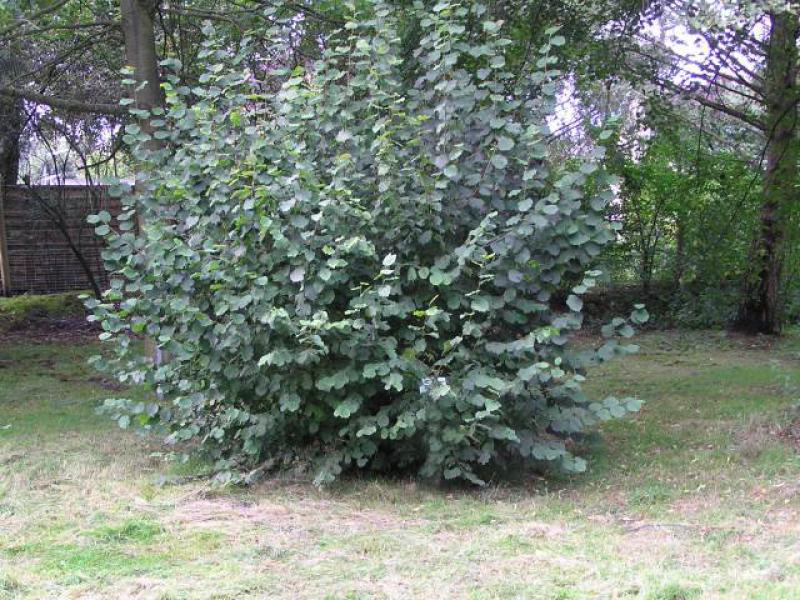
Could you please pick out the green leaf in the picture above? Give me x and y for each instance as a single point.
(486, 381)
(367, 430)
(626, 331)
(498, 62)
(633, 404)
(394, 381)
(640, 315)
(289, 402)
(499, 161)
(502, 432)
(480, 304)
(335, 381)
(346, 408)
(452, 472)
(389, 260)
(575, 303)
(505, 144)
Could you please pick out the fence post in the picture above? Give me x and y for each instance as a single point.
(5, 269)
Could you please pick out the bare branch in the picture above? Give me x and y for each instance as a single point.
(45, 11)
(716, 105)
(68, 27)
(754, 84)
(66, 104)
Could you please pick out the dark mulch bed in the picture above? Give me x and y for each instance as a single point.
(72, 330)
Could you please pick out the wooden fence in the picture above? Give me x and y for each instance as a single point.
(46, 245)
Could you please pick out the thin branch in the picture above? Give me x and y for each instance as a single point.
(716, 105)
(754, 86)
(56, 61)
(34, 17)
(69, 27)
(203, 14)
(66, 104)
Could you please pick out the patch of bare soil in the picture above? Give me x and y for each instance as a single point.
(72, 330)
(791, 434)
(756, 341)
(760, 432)
(296, 519)
(106, 384)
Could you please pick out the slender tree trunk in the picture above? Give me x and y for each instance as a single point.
(680, 252)
(646, 272)
(11, 122)
(10, 132)
(760, 310)
(138, 28)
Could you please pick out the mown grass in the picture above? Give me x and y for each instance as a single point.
(695, 497)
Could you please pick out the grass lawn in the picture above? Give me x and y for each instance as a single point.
(695, 497)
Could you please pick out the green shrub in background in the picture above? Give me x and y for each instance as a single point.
(359, 271)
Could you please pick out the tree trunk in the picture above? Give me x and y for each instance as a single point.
(760, 311)
(10, 132)
(140, 53)
(11, 122)
(138, 28)
(680, 252)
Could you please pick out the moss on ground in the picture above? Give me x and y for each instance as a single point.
(17, 312)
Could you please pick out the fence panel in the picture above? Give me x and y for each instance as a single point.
(48, 245)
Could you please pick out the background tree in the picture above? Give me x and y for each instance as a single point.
(631, 65)
(745, 69)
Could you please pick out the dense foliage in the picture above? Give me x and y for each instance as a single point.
(362, 272)
(688, 215)
(702, 101)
